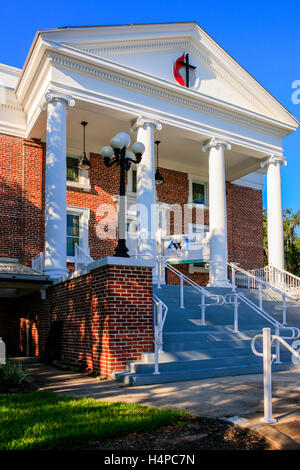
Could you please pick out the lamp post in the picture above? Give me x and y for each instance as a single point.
(123, 158)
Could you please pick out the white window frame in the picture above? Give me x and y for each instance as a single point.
(83, 177)
(197, 179)
(84, 217)
(192, 268)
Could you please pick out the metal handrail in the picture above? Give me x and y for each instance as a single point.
(220, 298)
(261, 283)
(286, 272)
(268, 358)
(277, 277)
(257, 279)
(233, 299)
(159, 321)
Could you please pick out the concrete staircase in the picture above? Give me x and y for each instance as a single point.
(192, 351)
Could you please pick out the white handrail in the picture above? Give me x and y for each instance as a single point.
(259, 283)
(219, 299)
(268, 357)
(233, 299)
(183, 278)
(161, 311)
(257, 280)
(286, 282)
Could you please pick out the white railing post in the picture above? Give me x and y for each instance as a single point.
(236, 315)
(203, 310)
(233, 277)
(267, 363)
(159, 265)
(284, 309)
(277, 360)
(260, 295)
(181, 293)
(159, 324)
(156, 350)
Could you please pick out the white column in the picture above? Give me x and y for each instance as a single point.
(56, 194)
(146, 191)
(217, 212)
(274, 203)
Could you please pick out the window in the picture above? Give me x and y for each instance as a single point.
(77, 230)
(197, 191)
(72, 233)
(72, 169)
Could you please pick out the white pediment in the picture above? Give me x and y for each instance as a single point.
(206, 79)
(153, 50)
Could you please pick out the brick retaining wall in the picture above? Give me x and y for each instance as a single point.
(106, 314)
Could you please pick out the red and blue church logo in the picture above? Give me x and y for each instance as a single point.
(184, 72)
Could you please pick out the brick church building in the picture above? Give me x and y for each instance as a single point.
(211, 133)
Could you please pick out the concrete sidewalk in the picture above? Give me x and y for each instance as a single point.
(240, 396)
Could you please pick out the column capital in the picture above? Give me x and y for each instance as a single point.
(215, 142)
(145, 121)
(276, 159)
(50, 97)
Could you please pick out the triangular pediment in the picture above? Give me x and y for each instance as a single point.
(154, 50)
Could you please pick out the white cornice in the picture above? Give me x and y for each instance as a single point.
(126, 76)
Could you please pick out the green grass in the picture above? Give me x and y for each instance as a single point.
(43, 420)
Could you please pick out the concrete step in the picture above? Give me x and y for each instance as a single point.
(183, 375)
(193, 351)
(200, 364)
(235, 359)
(193, 355)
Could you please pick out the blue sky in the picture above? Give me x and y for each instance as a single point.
(263, 36)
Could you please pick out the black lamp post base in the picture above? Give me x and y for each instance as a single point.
(121, 249)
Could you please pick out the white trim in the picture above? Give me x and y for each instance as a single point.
(75, 184)
(84, 217)
(83, 177)
(253, 180)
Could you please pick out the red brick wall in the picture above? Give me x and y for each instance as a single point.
(11, 183)
(22, 176)
(106, 314)
(245, 226)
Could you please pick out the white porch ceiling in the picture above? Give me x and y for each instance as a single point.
(180, 149)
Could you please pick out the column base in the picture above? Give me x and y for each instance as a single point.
(220, 283)
(55, 273)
